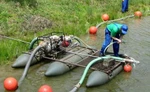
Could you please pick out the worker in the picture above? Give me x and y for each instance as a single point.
(124, 6)
(115, 32)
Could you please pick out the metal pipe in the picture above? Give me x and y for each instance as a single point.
(82, 54)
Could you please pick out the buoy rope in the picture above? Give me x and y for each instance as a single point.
(3, 36)
(119, 19)
(130, 16)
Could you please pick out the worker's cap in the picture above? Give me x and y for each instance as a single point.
(124, 29)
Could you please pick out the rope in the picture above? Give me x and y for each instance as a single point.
(14, 39)
(130, 16)
(119, 19)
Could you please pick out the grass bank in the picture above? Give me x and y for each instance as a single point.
(26, 19)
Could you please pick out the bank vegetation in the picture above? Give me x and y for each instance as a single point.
(27, 19)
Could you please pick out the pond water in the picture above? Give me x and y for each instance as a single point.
(136, 45)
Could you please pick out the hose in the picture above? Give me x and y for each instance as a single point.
(32, 43)
(28, 64)
(87, 68)
(110, 45)
(79, 40)
(84, 74)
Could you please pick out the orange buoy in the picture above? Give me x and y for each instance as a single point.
(105, 17)
(93, 30)
(45, 88)
(127, 68)
(138, 14)
(10, 84)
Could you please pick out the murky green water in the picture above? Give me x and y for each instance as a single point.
(137, 45)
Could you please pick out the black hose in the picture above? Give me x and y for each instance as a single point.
(28, 64)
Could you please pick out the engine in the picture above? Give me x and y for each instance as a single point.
(56, 44)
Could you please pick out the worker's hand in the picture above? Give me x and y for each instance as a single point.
(119, 41)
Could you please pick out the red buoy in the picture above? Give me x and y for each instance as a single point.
(45, 88)
(10, 84)
(138, 14)
(127, 68)
(93, 30)
(105, 17)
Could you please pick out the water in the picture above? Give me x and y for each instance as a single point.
(137, 45)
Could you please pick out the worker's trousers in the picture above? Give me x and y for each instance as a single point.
(107, 41)
(124, 6)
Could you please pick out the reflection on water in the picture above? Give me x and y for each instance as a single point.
(137, 45)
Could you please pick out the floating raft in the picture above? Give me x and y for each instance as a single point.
(68, 52)
(68, 62)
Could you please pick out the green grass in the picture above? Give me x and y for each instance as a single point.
(10, 49)
(70, 16)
